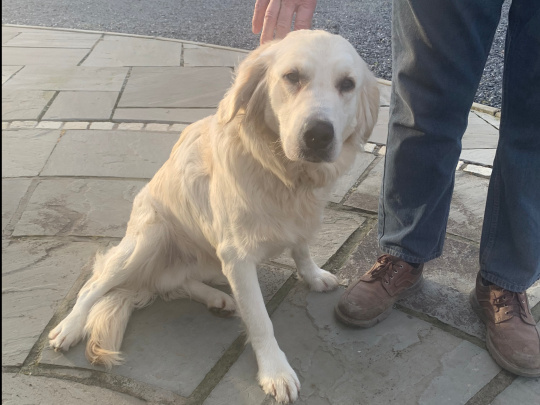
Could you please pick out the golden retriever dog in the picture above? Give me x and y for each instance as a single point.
(238, 188)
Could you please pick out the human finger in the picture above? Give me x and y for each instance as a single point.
(258, 15)
(304, 15)
(270, 20)
(284, 21)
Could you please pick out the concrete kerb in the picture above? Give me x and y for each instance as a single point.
(496, 112)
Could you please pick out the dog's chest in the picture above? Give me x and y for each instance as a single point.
(283, 218)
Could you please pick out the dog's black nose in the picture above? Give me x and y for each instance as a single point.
(319, 135)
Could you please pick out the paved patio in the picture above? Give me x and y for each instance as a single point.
(87, 119)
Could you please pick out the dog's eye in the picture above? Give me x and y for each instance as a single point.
(292, 77)
(346, 85)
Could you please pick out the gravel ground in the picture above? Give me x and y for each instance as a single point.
(365, 23)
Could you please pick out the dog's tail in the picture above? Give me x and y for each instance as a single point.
(107, 323)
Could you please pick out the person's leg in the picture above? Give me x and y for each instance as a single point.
(510, 245)
(439, 52)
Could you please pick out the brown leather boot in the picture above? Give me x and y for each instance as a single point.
(512, 337)
(369, 300)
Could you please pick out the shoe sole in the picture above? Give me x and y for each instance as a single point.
(497, 356)
(347, 320)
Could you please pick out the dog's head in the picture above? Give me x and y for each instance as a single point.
(312, 89)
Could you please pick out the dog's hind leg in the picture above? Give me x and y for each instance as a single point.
(317, 278)
(135, 279)
(217, 301)
(107, 273)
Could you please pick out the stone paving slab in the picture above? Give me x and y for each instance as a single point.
(82, 105)
(336, 228)
(115, 50)
(380, 131)
(366, 195)
(448, 281)
(271, 278)
(13, 190)
(8, 72)
(75, 78)
(110, 153)
(24, 104)
(79, 207)
(522, 391)
(345, 182)
(484, 157)
(479, 170)
(205, 56)
(477, 118)
(466, 209)
(176, 87)
(173, 345)
(24, 152)
(36, 275)
(53, 39)
(385, 92)
(491, 119)
(188, 115)
(479, 134)
(42, 56)
(6, 35)
(402, 360)
(22, 389)
(468, 205)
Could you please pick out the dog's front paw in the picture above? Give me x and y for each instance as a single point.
(322, 280)
(67, 333)
(279, 380)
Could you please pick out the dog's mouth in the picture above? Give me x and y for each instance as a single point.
(316, 155)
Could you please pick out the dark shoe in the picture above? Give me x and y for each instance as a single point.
(512, 337)
(369, 300)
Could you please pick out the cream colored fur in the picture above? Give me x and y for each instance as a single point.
(234, 192)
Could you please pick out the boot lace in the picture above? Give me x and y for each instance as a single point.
(385, 268)
(512, 303)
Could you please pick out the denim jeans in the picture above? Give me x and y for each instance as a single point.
(439, 51)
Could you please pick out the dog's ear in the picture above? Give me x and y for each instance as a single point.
(368, 108)
(250, 75)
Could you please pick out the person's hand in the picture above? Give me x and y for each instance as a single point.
(277, 15)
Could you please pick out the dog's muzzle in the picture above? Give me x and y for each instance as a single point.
(318, 141)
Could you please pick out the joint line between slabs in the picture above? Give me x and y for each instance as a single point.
(233, 352)
(21, 208)
(121, 92)
(47, 106)
(100, 39)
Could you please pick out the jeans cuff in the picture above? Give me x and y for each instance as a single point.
(407, 257)
(503, 283)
